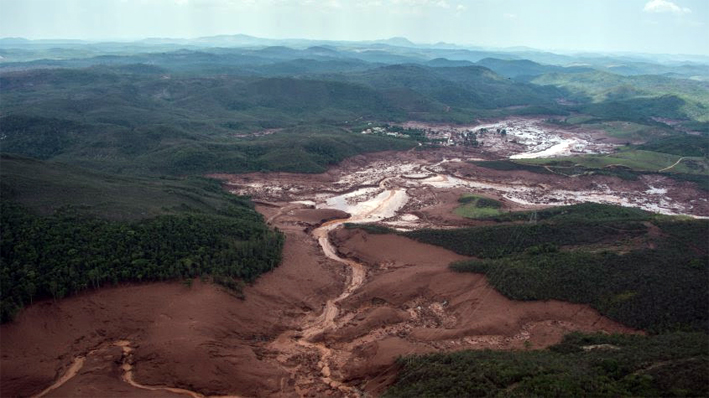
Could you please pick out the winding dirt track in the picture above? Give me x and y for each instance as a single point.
(672, 165)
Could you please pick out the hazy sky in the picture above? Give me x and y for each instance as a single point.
(660, 26)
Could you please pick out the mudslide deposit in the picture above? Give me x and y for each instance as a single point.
(331, 319)
(197, 338)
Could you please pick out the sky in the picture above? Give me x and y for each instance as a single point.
(644, 26)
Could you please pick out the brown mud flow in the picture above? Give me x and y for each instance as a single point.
(329, 321)
(200, 339)
(424, 175)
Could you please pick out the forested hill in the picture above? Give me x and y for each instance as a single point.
(140, 119)
(65, 230)
(195, 111)
(589, 254)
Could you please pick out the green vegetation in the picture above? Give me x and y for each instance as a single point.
(662, 288)
(169, 150)
(633, 98)
(462, 87)
(643, 110)
(129, 121)
(53, 256)
(694, 126)
(680, 145)
(656, 290)
(193, 112)
(45, 187)
(502, 240)
(479, 201)
(579, 213)
(658, 284)
(671, 365)
(370, 228)
(474, 206)
(626, 130)
(122, 138)
(146, 124)
(66, 230)
(508, 165)
(626, 164)
(638, 160)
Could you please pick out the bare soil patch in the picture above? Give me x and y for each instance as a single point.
(413, 303)
(198, 338)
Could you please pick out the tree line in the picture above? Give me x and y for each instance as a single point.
(66, 252)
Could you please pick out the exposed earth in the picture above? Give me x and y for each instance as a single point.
(343, 304)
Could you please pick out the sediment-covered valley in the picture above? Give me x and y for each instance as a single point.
(343, 304)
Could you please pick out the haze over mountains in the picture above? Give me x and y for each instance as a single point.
(393, 50)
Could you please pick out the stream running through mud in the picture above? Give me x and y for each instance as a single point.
(74, 368)
(365, 204)
(382, 206)
(126, 373)
(371, 204)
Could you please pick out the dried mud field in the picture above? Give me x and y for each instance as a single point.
(343, 304)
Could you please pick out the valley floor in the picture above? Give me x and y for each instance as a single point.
(332, 318)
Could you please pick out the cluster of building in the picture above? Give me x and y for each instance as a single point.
(384, 131)
(444, 136)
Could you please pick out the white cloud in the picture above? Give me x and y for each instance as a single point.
(659, 6)
(509, 16)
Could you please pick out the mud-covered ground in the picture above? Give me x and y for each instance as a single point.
(429, 182)
(521, 137)
(343, 304)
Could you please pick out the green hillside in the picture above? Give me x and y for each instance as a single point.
(67, 229)
(672, 156)
(140, 119)
(471, 87)
(656, 282)
(525, 68)
(634, 97)
(672, 365)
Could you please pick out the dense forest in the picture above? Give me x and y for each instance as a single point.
(502, 240)
(66, 229)
(579, 212)
(669, 365)
(594, 254)
(662, 289)
(283, 109)
(57, 255)
(654, 282)
(53, 256)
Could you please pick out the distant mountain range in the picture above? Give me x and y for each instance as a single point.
(242, 40)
